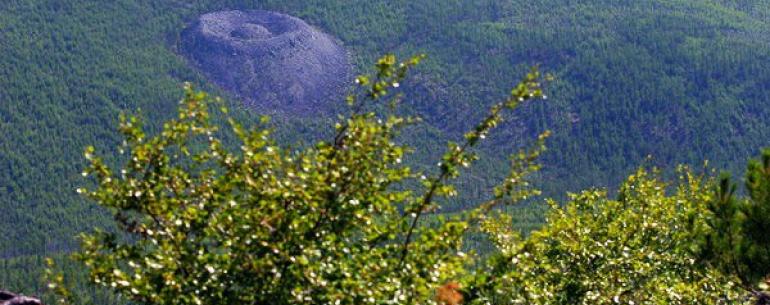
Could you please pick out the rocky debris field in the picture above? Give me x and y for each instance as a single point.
(272, 61)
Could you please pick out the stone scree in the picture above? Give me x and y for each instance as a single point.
(273, 62)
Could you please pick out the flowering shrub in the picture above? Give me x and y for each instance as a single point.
(338, 223)
(328, 224)
(641, 248)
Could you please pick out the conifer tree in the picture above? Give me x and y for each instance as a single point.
(739, 242)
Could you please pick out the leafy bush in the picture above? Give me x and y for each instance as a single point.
(344, 221)
(334, 223)
(640, 248)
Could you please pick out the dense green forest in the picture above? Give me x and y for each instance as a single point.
(682, 81)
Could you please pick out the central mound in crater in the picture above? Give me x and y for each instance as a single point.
(274, 62)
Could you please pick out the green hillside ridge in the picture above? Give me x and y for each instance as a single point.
(682, 81)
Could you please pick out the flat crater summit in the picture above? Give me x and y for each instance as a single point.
(274, 62)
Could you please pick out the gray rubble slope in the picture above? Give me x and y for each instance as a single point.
(272, 61)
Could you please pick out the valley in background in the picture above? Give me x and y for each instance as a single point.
(680, 81)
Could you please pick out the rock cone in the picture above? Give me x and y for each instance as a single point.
(274, 62)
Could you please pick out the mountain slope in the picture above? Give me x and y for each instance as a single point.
(679, 80)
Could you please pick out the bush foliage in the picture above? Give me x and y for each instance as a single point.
(637, 249)
(343, 221)
(333, 223)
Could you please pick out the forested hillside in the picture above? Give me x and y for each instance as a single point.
(682, 81)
